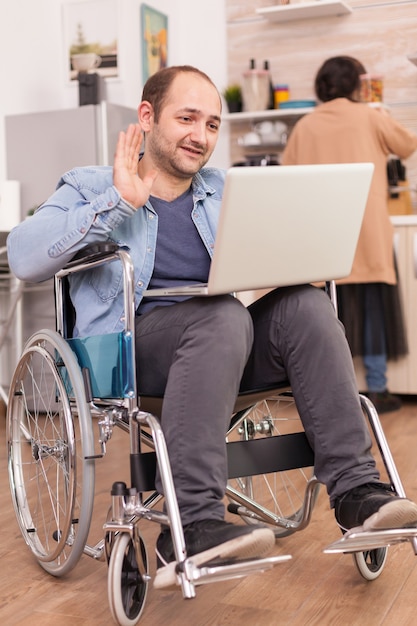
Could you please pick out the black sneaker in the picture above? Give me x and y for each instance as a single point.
(384, 401)
(374, 506)
(211, 540)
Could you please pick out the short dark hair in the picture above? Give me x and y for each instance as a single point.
(157, 86)
(338, 77)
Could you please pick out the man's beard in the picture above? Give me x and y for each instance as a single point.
(171, 160)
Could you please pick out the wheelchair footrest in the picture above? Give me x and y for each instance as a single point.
(357, 540)
(210, 573)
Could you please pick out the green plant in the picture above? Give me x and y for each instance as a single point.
(233, 93)
(233, 96)
(81, 46)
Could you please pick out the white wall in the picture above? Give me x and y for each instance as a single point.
(32, 57)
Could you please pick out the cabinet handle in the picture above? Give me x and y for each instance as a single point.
(396, 243)
(415, 254)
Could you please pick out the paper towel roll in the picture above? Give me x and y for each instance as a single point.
(9, 204)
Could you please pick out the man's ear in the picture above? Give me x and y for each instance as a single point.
(145, 115)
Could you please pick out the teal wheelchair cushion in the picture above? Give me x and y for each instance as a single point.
(109, 360)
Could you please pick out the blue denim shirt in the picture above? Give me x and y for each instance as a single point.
(86, 208)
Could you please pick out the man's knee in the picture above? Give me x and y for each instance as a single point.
(230, 319)
(310, 303)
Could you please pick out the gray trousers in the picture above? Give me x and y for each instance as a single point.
(200, 352)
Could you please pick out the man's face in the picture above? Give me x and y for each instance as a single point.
(183, 139)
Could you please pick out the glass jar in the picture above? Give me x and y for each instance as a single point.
(372, 88)
(377, 88)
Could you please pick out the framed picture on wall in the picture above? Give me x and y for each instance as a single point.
(154, 40)
(90, 36)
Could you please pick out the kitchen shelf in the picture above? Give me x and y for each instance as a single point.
(302, 11)
(269, 114)
(278, 114)
(264, 146)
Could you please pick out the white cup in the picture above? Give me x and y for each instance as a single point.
(85, 62)
(280, 127)
(265, 129)
(249, 139)
(271, 132)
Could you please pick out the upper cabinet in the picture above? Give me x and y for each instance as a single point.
(305, 10)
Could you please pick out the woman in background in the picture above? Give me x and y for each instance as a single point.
(341, 129)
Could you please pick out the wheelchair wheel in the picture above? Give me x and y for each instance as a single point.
(371, 562)
(280, 493)
(127, 590)
(50, 438)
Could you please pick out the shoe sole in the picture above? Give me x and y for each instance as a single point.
(252, 545)
(401, 513)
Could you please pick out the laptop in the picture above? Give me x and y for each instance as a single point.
(284, 225)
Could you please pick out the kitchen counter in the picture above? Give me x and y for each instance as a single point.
(404, 220)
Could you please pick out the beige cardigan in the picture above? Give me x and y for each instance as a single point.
(341, 131)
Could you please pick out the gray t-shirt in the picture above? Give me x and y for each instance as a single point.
(181, 257)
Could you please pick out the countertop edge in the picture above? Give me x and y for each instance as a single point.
(404, 220)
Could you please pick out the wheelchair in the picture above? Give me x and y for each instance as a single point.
(67, 396)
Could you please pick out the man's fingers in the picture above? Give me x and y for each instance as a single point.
(133, 136)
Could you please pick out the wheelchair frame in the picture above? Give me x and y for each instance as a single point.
(43, 441)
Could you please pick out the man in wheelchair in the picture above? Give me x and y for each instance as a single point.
(162, 204)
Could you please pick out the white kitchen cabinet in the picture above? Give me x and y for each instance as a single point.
(402, 374)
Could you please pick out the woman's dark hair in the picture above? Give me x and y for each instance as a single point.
(157, 86)
(338, 77)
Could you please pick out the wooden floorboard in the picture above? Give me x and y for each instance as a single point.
(312, 589)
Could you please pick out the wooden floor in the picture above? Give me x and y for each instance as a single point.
(311, 589)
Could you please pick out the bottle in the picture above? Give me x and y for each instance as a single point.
(255, 88)
(271, 101)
